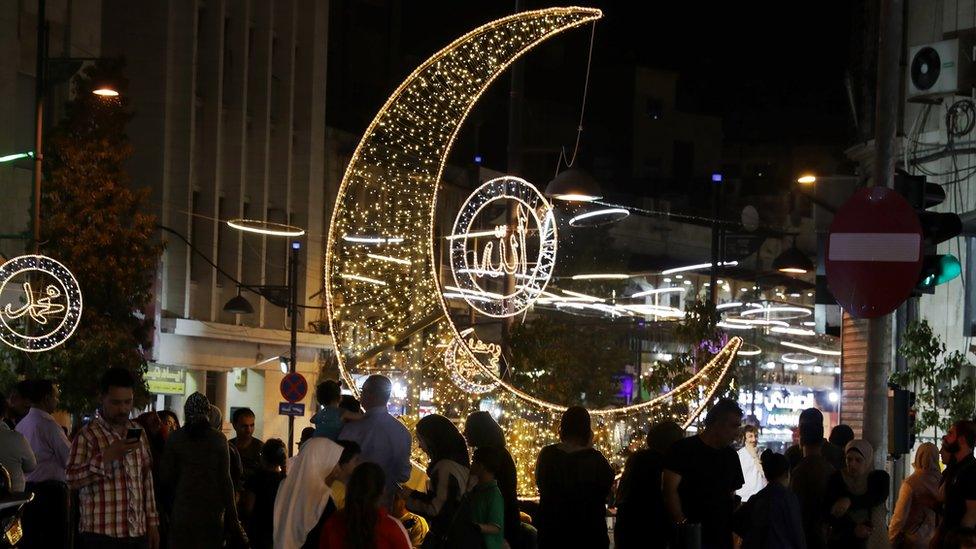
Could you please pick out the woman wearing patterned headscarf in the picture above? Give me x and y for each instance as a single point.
(196, 471)
(914, 521)
(855, 500)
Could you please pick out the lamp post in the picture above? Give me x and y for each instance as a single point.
(240, 305)
(104, 89)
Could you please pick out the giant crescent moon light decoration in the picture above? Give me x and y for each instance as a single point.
(385, 304)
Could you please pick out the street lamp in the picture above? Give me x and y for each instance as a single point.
(240, 305)
(574, 185)
(104, 88)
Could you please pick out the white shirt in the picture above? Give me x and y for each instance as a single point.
(16, 456)
(752, 473)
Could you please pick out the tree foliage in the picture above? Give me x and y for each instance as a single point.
(571, 360)
(93, 222)
(943, 382)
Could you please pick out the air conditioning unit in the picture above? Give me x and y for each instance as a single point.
(940, 68)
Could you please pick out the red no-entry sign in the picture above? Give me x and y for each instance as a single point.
(293, 387)
(874, 252)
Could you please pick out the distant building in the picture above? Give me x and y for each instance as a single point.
(229, 102)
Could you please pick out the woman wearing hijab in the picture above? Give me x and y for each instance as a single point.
(855, 500)
(195, 468)
(574, 481)
(447, 473)
(481, 431)
(304, 501)
(914, 520)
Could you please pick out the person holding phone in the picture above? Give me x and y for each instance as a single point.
(111, 467)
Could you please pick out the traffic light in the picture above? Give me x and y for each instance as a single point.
(936, 227)
(901, 420)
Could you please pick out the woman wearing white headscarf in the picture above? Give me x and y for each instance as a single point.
(855, 501)
(914, 520)
(304, 499)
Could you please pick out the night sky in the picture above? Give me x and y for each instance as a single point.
(772, 71)
(774, 74)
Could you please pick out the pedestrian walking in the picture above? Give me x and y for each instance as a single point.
(260, 490)
(482, 431)
(752, 471)
(701, 475)
(364, 523)
(640, 503)
(574, 481)
(247, 445)
(16, 455)
(808, 481)
(855, 500)
(447, 471)
(958, 526)
(384, 439)
(480, 518)
(915, 518)
(196, 470)
(111, 468)
(304, 501)
(832, 453)
(46, 522)
(771, 518)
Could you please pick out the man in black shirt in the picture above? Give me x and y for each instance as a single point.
(701, 475)
(831, 452)
(959, 488)
(808, 481)
(246, 444)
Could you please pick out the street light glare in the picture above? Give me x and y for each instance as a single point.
(105, 92)
(807, 178)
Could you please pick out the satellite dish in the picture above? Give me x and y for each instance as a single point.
(750, 218)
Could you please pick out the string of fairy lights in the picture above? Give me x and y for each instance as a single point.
(386, 309)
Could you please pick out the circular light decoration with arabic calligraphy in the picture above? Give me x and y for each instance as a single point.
(463, 368)
(40, 303)
(488, 250)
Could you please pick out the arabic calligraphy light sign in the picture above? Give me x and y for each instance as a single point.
(465, 372)
(485, 253)
(40, 303)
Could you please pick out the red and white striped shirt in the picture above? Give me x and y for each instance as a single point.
(116, 499)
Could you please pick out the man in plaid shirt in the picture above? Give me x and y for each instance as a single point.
(113, 474)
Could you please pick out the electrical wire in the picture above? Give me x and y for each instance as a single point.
(579, 127)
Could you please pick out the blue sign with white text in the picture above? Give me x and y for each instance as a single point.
(291, 409)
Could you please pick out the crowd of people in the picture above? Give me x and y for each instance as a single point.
(151, 482)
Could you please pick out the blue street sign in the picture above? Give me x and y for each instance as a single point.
(291, 409)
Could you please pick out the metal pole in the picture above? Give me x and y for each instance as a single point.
(886, 125)
(39, 89)
(293, 311)
(514, 168)
(713, 272)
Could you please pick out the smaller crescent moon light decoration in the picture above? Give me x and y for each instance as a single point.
(40, 303)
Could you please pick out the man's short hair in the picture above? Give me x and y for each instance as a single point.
(966, 429)
(22, 387)
(241, 412)
(379, 385)
(723, 408)
(39, 389)
(116, 377)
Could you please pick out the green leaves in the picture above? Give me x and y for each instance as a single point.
(944, 387)
(92, 220)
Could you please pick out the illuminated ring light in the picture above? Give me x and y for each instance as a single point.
(749, 349)
(597, 218)
(265, 227)
(798, 358)
(533, 280)
(781, 312)
(48, 338)
(810, 349)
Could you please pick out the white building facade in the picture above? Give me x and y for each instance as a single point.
(228, 99)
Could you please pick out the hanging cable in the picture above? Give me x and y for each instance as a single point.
(579, 127)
